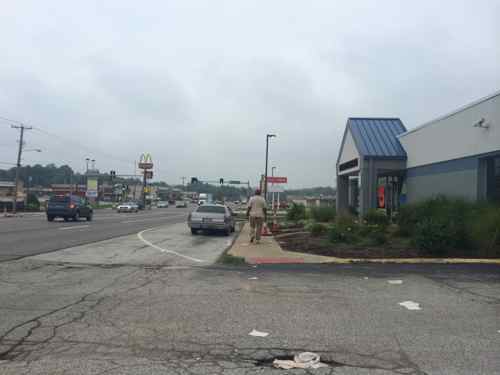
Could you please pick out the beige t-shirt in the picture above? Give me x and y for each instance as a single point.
(257, 205)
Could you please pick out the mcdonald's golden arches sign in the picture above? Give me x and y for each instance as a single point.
(146, 162)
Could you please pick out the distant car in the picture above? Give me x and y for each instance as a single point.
(212, 217)
(69, 207)
(139, 204)
(162, 204)
(181, 204)
(127, 207)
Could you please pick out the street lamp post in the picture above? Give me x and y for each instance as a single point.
(272, 174)
(267, 160)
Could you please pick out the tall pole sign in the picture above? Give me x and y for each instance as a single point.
(145, 163)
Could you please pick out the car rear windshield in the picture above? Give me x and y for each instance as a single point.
(59, 199)
(212, 209)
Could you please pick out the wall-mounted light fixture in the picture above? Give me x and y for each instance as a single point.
(481, 124)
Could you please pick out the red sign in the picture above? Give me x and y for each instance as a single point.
(381, 196)
(277, 180)
(145, 165)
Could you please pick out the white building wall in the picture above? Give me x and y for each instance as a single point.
(349, 152)
(454, 136)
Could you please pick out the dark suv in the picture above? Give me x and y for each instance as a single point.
(69, 207)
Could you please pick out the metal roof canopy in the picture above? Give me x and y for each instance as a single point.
(375, 137)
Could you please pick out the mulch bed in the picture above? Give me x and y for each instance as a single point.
(303, 242)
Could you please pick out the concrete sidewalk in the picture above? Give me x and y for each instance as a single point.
(268, 251)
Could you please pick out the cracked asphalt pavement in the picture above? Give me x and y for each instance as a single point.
(81, 312)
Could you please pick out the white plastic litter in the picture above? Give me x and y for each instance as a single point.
(258, 333)
(395, 282)
(410, 305)
(366, 278)
(305, 360)
(253, 278)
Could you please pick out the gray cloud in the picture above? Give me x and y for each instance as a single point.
(200, 84)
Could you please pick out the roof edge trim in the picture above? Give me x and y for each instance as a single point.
(450, 114)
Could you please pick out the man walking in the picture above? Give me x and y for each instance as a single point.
(256, 211)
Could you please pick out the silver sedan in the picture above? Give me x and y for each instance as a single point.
(212, 217)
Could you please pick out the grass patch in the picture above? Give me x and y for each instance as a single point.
(232, 260)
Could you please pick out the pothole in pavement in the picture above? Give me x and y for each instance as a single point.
(268, 362)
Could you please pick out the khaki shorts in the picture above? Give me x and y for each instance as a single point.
(256, 227)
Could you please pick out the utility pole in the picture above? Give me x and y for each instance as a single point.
(18, 164)
(183, 181)
(267, 159)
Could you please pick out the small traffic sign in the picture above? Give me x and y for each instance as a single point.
(277, 180)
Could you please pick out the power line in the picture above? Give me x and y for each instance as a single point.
(11, 121)
(41, 130)
(95, 150)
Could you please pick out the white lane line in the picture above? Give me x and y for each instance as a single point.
(74, 227)
(139, 235)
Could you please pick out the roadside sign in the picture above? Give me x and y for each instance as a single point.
(275, 189)
(149, 175)
(277, 180)
(145, 162)
(91, 187)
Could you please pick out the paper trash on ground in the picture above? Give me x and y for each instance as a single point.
(305, 360)
(410, 305)
(258, 333)
(395, 282)
(253, 278)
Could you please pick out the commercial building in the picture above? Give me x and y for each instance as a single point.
(7, 193)
(381, 164)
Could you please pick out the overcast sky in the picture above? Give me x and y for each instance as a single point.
(198, 84)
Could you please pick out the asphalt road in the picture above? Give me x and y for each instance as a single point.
(33, 234)
(89, 319)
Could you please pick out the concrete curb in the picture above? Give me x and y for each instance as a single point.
(228, 248)
(334, 260)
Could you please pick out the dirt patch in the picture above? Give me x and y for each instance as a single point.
(396, 247)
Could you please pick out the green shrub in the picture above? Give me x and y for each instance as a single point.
(376, 217)
(335, 235)
(323, 214)
(317, 229)
(434, 236)
(296, 212)
(345, 230)
(373, 235)
(347, 223)
(33, 202)
(483, 227)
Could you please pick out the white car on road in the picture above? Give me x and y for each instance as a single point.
(181, 204)
(127, 207)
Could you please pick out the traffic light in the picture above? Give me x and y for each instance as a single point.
(112, 173)
(221, 181)
(194, 180)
